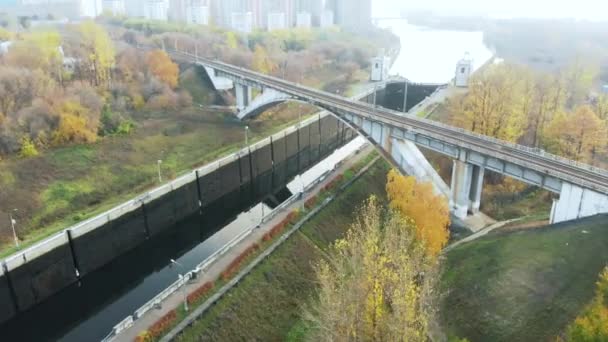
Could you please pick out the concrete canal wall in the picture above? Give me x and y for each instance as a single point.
(36, 273)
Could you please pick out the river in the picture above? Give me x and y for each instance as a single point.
(429, 55)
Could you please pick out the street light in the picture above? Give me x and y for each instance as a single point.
(180, 277)
(160, 178)
(13, 223)
(246, 135)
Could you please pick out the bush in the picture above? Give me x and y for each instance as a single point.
(28, 149)
(162, 325)
(236, 263)
(311, 202)
(199, 293)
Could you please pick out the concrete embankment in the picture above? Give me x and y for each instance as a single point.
(38, 272)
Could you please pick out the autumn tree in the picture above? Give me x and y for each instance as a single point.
(429, 212)
(38, 50)
(262, 62)
(579, 135)
(73, 125)
(592, 324)
(491, 105)
(98, 52)
(601, 106)
(162, 67)
(376, 284)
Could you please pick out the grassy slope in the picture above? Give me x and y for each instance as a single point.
(525, 285)
(266, 306)
(65, 185)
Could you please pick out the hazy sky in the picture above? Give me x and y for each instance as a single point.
(582, 9)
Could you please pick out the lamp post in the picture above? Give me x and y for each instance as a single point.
(180, 277)
(13, 222)
(160, 178)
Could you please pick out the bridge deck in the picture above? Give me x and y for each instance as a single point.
(566, 170)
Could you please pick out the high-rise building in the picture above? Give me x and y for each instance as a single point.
(303, 20)
(156, 9)
(327, 19)
(353, 14)
(197, 12)
(242, 22)
(314, 7)
(135, 8)
(276, 21)
(114, 7)
(287, 7)
(72, 9)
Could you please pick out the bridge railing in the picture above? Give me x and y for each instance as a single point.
(531, 150)
(535, 151)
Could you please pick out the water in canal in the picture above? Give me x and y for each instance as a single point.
(88, 311)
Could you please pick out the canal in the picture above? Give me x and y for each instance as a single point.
(87, 311)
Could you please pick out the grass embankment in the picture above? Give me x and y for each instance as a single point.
(523, 286)
(266, 305)
(63, 186)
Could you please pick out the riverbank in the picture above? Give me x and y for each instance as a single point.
(211, 274)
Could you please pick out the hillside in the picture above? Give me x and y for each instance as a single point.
(524, 285)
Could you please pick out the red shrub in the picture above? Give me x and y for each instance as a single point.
(310, 202)
(236, 263)
(162, 325)
(199, 293)
(333, 183)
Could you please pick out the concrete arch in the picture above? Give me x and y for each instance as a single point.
(375, 133)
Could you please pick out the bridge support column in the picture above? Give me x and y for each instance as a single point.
(576, 202)
(467, 183)
(243, 96)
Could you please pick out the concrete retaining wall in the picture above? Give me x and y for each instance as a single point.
(40, 271)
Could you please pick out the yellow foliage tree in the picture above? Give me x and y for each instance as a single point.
(232, 40)
(37, 50)
(376, 285)
(99, 50)
(428, 211)
(73, 126)
(592, 325)
(161, 66)
(493, 104)
(579, 135)
(262, 62)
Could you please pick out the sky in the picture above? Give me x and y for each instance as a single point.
(579, 9)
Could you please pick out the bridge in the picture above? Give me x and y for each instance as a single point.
(582, 189)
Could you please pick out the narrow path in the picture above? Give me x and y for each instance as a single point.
(479, 234)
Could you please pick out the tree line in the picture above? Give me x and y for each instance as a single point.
(76, 86)
(555, 111)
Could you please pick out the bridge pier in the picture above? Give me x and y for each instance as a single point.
(467, 184)
(243, 96)
(576, 202)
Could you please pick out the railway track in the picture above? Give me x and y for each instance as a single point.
(585, 176)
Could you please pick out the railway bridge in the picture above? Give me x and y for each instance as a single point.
(582, 189)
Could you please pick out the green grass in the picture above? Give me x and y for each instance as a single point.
(267, 304)
(66, 185)
(525, 285)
